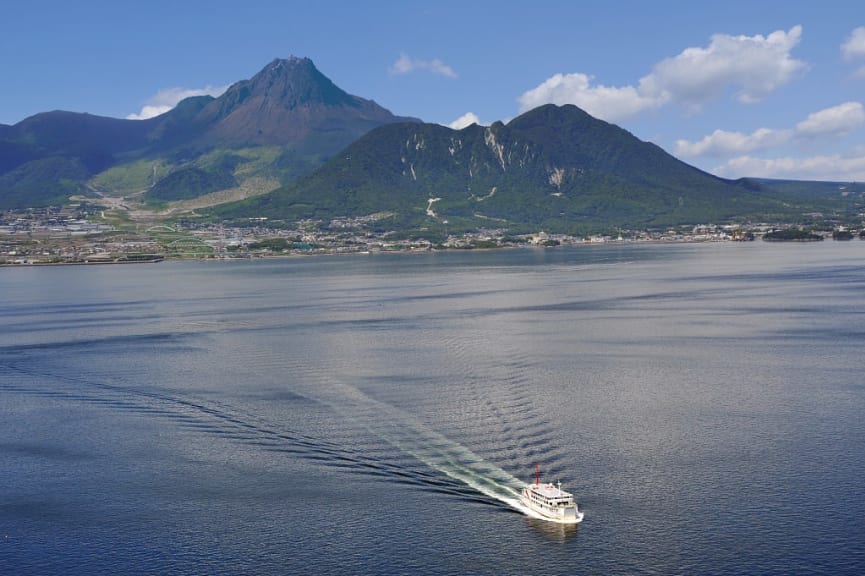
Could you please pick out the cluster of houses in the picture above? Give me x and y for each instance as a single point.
(69, 234)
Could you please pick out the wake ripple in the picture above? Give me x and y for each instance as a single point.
(501, 412)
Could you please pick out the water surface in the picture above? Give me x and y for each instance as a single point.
(373, 414)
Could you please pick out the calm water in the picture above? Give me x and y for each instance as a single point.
(372, 414)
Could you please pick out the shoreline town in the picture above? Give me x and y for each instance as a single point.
(72, 235)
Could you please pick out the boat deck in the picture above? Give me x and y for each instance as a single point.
(548, 490)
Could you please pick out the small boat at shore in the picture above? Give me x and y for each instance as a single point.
(550, 502)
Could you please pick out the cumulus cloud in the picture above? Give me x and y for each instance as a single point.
(839, 119)
(167, 98)
(753, 66)
(406, 65)
(854, 47)
(834, 121)
(756, 66)
(465, 120)
(608, 102)
(724, 143)
(831, 168)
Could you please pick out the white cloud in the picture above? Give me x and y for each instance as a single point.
(854, 47)
(465, 120)
(755, 66)
(839, 119)
(406, 65)
(724, 143)
(607, 102)
(832, 168)
(834, 121)
(167, 98)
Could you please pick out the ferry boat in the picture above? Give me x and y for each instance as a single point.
(550, 502)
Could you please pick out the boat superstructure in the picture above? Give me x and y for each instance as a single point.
(550, 502)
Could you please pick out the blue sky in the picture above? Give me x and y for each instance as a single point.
(738, 88)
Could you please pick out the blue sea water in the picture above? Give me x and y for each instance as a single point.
(372, 414)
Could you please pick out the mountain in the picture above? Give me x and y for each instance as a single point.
(553, 168)
(815, 189)
(290, 101)
(291, 144)
(278, 125)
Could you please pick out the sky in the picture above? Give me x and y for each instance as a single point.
(756, 88)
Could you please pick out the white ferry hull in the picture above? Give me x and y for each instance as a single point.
(567, 515)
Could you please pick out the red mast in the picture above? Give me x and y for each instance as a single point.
(537, 474)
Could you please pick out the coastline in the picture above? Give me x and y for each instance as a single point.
(155, 259)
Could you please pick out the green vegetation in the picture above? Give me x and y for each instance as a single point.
(131, 177)
(435, 236)
(52, 180)
(272, 244)
(553, 168)
(815, 189)
(190, 183)
(186, 247)
(280, 124)
(791, 235)
(177, 177)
